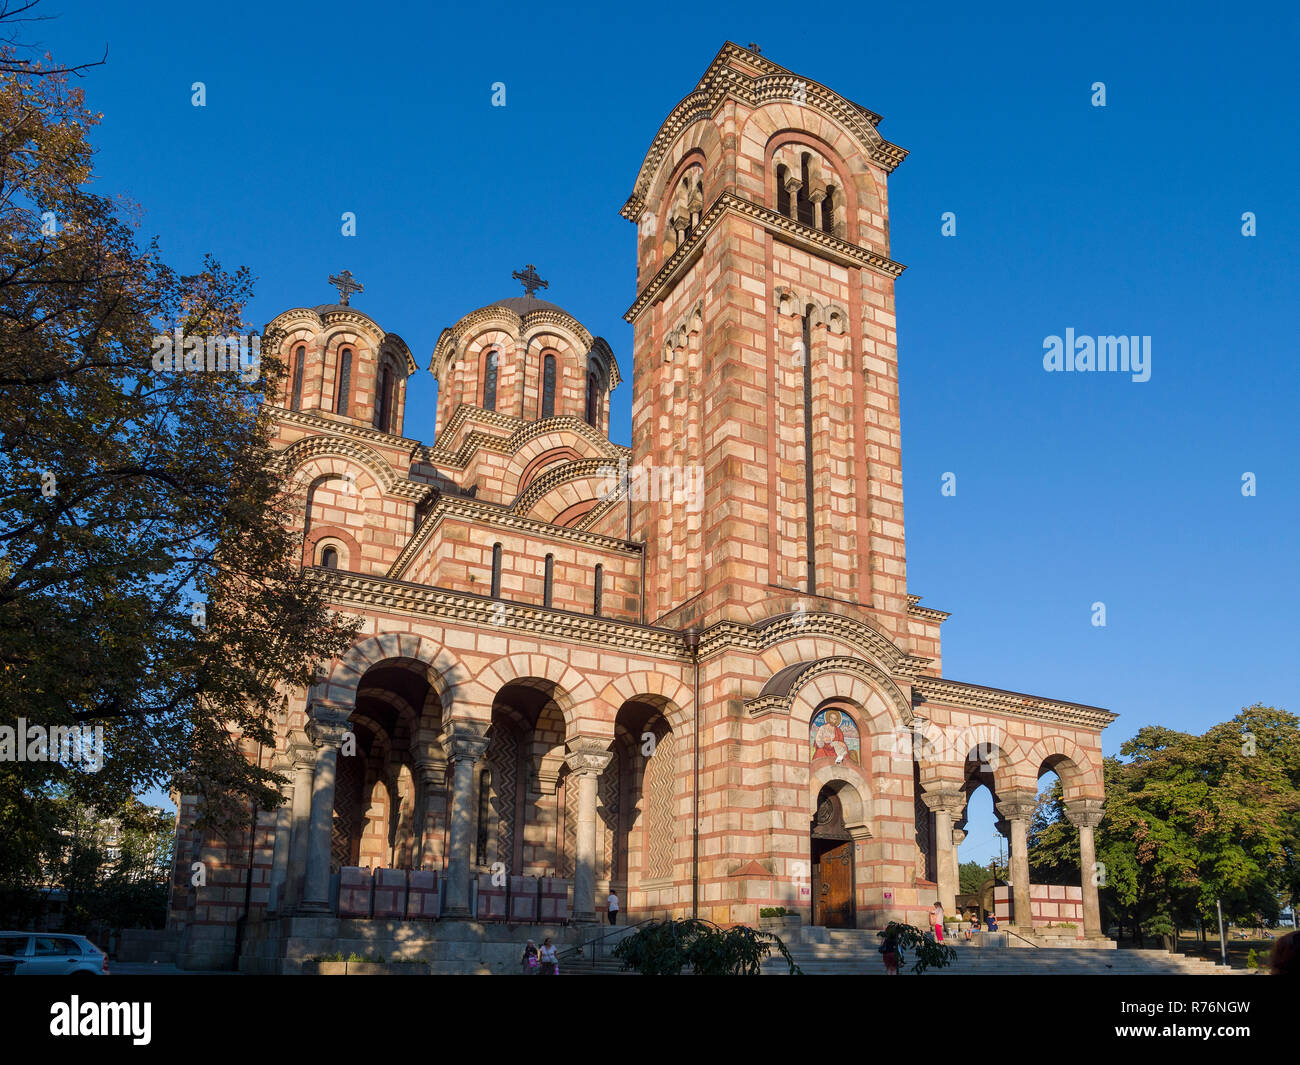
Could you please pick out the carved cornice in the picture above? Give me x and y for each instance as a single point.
(520, 432)
(570, 471)
(1016, 704)
(493, 516)
(925, 612)
(352, 591)
(807, 238)
(768, 82)
(309, 447)
(868, 671)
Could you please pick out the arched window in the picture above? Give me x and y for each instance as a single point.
(383, 401)
(329, 558)
(828, 210)
(345, 381)
(299, 357)
(549, 587)
(782, 193)
(593, 393)
(490, 382)
(496, 571)
(803, 204)
(548, 387)
(597, 595)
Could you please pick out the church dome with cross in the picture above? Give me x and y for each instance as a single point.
(526, 358)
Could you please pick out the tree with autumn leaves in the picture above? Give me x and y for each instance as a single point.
(1189, 820)
(127, 496)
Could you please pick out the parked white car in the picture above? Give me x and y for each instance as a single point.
(51, 954)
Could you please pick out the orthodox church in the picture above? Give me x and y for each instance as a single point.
(690, 671)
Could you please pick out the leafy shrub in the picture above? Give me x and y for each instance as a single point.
(665, 948)
(929, 953)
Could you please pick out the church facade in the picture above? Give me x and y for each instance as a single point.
(692, 670)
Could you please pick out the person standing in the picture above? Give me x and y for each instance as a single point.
(889, 951)
(550, 963)
(529, 961)
(613, 907)
(936, 919)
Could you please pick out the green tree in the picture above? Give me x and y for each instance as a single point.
(971, 877)
(665, 948)
(128, 494)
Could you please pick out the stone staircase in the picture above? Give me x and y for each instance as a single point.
(853, 952)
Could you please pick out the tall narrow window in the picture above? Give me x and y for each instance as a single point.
(811, 542)
(345, 381)
(593, 393)
(828, 210)
(299, 357)
(383, 399)
(490, 383)
(782, 193)
(549, 587)
(484, 813)
(548, 387)
(329, 558)
(803, 204)
(597, 595)
(496, 571)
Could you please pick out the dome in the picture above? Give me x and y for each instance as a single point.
(522, 305)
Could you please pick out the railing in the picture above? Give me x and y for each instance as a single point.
(575, 952)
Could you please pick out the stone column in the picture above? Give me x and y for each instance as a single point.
(464, 744)
(958, 836)
(430, 776)
(280, 854)
(303, 757)
(946, 803)
(1085, 815)
(1018, 807)
(586, 762)
(326, 734)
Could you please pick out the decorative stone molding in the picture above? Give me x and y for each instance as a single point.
(319, 318)
(768, 83)
(464, 742)
(940, 798)
(807, 238)
(974, 697)
(589, 756)
(1017, 805)
(1084, 813)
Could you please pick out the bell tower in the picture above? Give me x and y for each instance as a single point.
(765, 364)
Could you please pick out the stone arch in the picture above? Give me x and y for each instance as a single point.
(442, 670)
(856, 800)
(569, 689)
(668, 694)
(1079, 776)
(885, 708)
(314, 452)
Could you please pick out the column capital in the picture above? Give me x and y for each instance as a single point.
(326, 732)
(589, 756)
(958, 836)
(463, 741)
(1084, 813)
(943, 798)
(1017, 805)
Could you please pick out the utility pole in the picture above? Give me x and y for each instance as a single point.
(1223, 946)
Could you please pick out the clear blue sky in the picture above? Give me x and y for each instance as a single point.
(1124, 219)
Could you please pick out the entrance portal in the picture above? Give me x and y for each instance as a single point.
(832, 865)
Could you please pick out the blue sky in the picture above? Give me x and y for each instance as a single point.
(1071, 488)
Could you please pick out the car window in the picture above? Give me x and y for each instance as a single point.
(16, 945)
(48, 946)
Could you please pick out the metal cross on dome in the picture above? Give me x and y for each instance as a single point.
(530, 279)
(346, 286)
